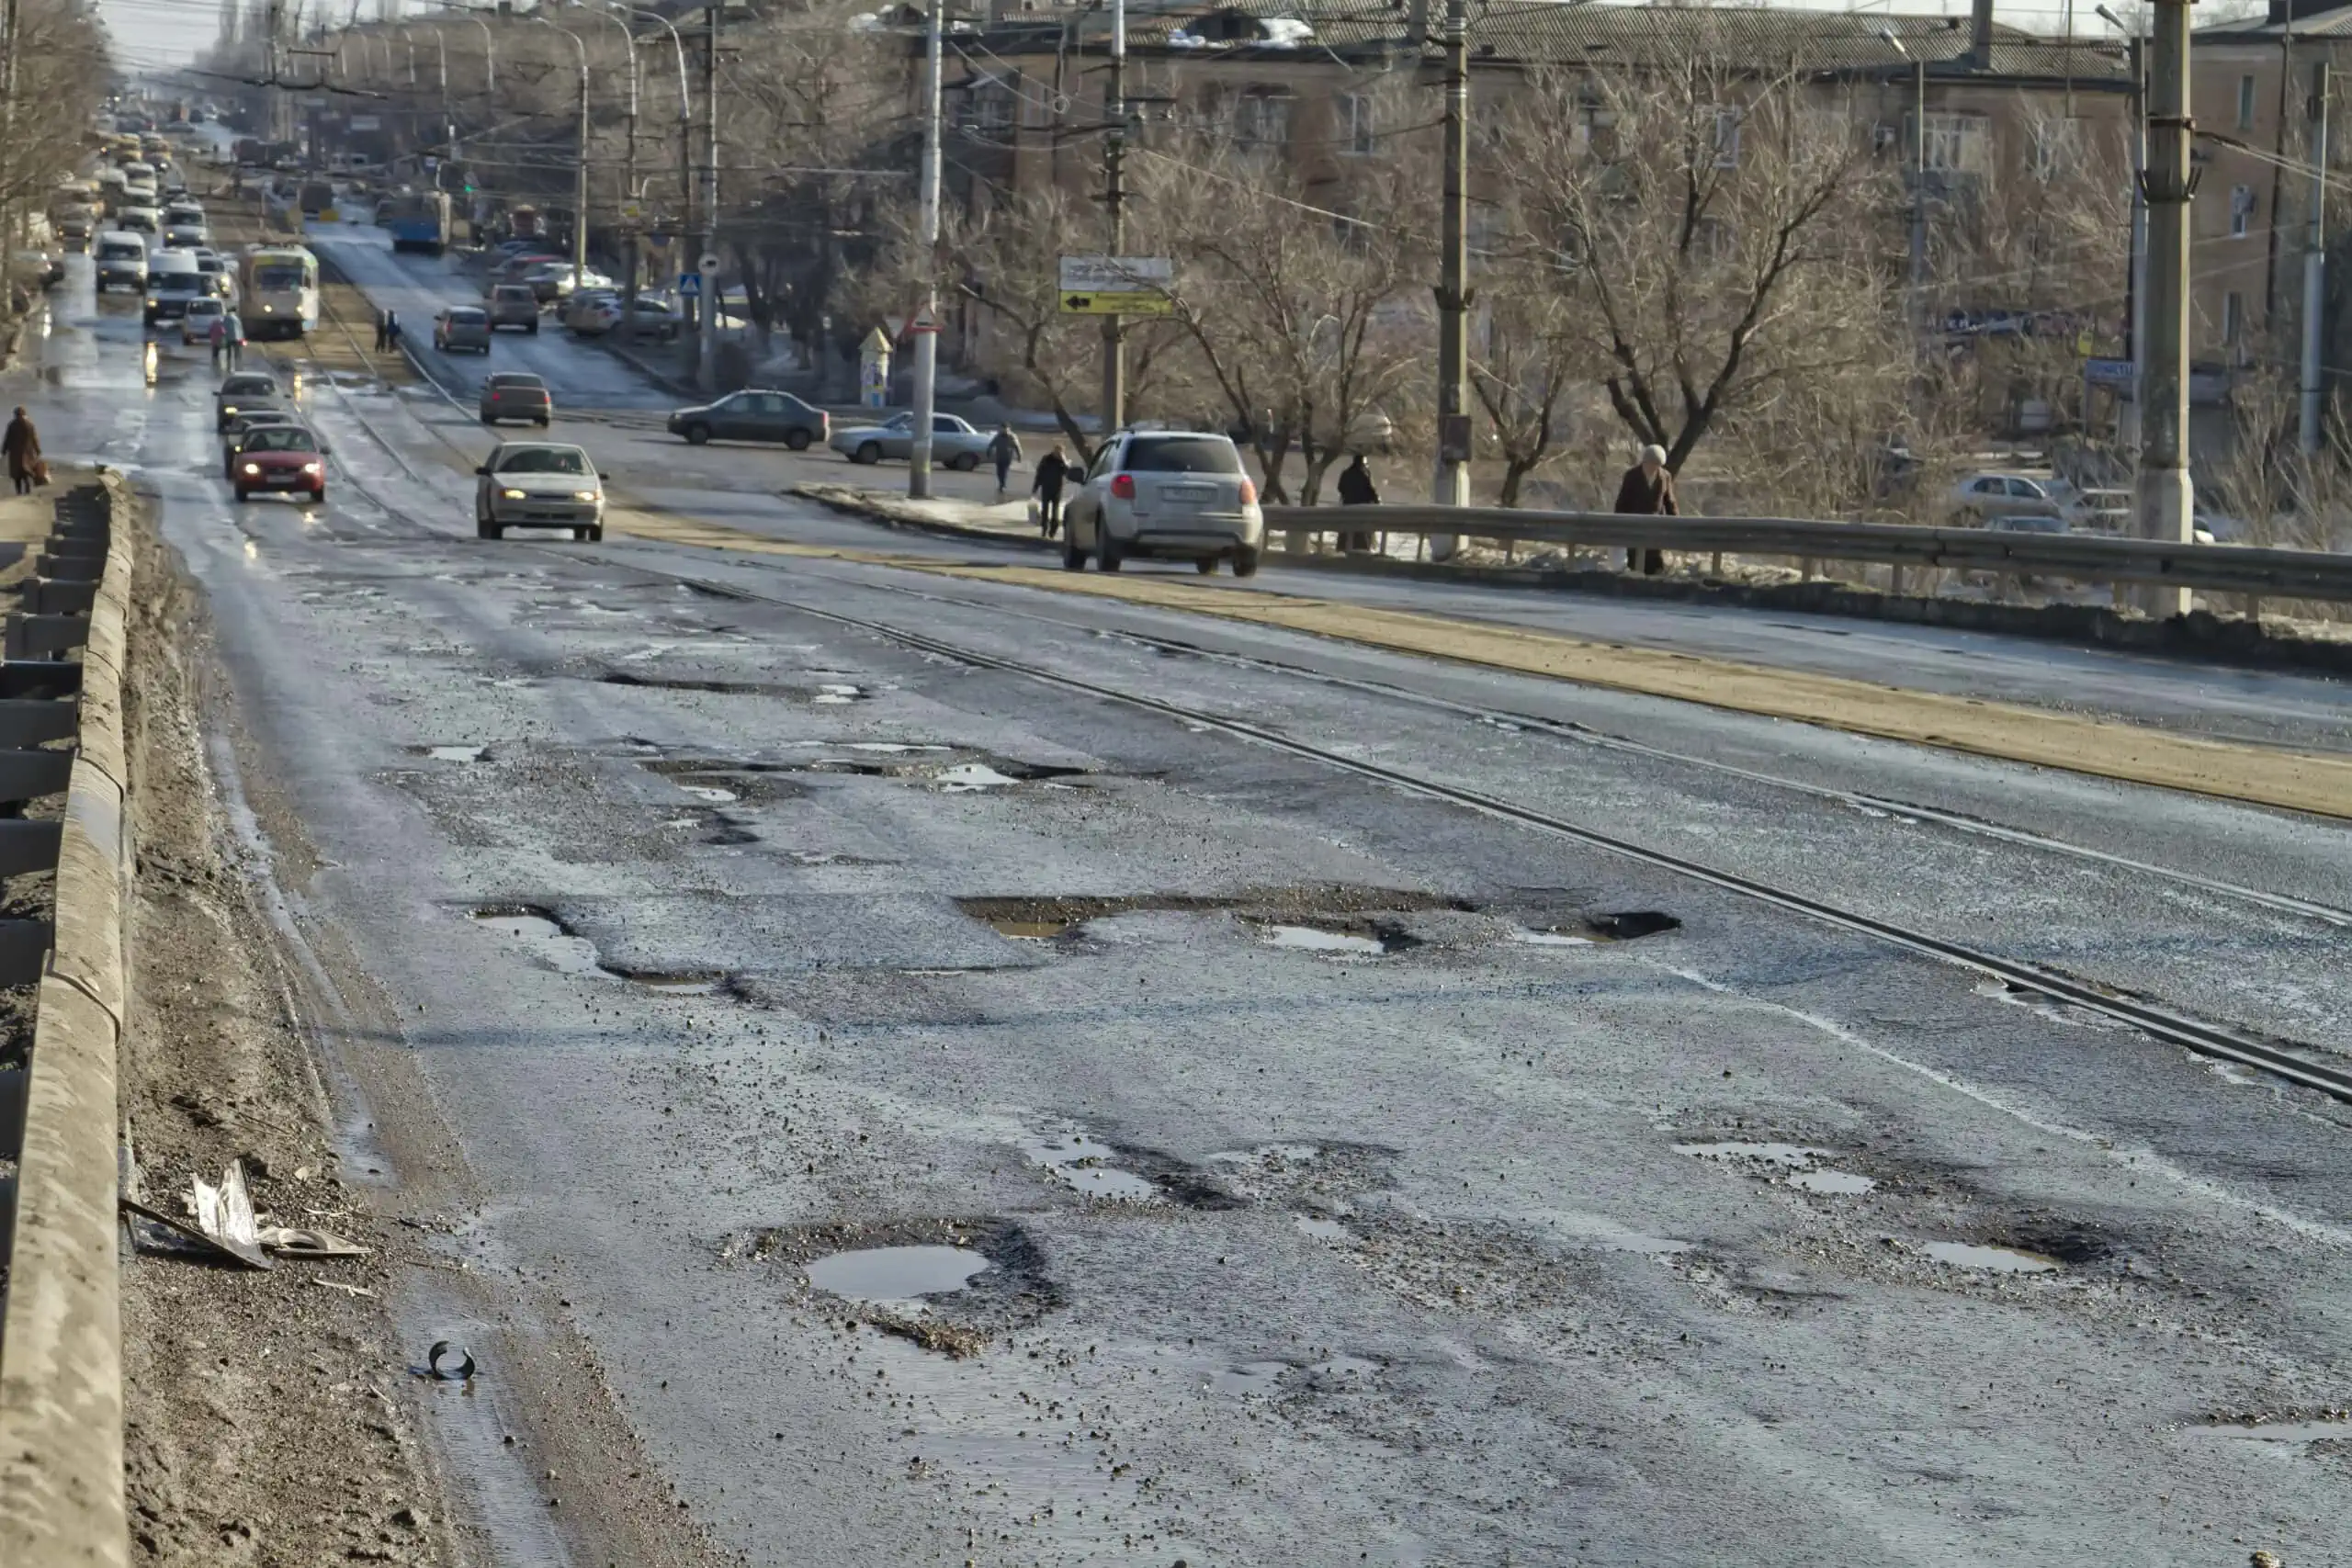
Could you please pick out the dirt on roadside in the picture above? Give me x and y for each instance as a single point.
(268, 1421)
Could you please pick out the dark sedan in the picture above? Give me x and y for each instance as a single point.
(755, 416)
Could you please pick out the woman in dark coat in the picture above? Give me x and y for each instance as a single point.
(1648, 490)
(22, 444)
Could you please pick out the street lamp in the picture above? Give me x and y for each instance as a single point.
(2127, 424)
(580, 198)
(1918, 180)
(629, 169)
(489, 49)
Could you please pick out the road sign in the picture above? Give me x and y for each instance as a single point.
(924, 322)
(1116, 286)
(1117, 305)
(632, 211)
(689, 284)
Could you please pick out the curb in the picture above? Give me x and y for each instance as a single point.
(60, 1332)
(2200, 637)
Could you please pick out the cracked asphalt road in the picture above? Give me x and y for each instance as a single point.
(1353, 1180)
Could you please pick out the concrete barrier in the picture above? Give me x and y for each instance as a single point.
(60, 1336)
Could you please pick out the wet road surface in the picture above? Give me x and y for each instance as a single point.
(1240, 1160)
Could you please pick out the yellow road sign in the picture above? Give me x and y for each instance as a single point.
(1116, 305)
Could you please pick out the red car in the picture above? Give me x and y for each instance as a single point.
(281, 458)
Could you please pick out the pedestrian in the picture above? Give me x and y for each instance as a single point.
(392, 330)
(1005, 451)
(383, 330)
(220, 339)
(232, 337)
(1357, 488)
(1052, 469)
(22, 444)
(1648, 490)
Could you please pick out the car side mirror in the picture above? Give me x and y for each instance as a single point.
(483, 470)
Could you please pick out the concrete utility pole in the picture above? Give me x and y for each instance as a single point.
(1450, 482)
(2128, 427)
(628, 175)
(1918, 180)
(580, 186)
(925, 328)
(2316, 264)
(707, 352)
(2164, 501)
(1114, 203)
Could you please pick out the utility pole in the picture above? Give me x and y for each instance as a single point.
(2164, 500)
(1450, 483)
(8, 100)
(2314, 263)
(1918, 310)
(706, 353)
(1114, 203)
(925, 328)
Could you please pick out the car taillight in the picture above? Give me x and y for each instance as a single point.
(1122, 485)
(1248, 494)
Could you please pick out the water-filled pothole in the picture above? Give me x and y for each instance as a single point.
(568, 952)
(1991, 1259)
(898, 1276)
(1630, 925)
(1088, 1166)
(1792, 1163)
(837, 694)
(452, 753)
(1374, 943)
(683, 683)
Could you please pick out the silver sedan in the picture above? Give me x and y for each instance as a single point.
(955, 444)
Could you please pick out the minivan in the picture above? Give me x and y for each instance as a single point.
(173, 279)
(121, 261)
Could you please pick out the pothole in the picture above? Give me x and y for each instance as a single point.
(1791, 1162)
(896, 1277)
(568, 952)
(840, 694)
(1991, 1259)
(1087, 1166)
(1631, 925)
(1043, 917)
(2298, 1432)
(1549, 938)
(2047, 1006)
(1363, 940)
(1321, 1229)
(450, 753)
(685, 684)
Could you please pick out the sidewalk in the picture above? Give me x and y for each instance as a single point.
(1007, 522)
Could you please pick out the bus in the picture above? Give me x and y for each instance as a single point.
(419, 221)
(280, 292)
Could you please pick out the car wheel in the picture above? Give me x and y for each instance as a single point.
(964, 462)
(492, 531)
(1107, 556)
(319, 496)
(1245, 562)
(1073, 558)
(1206, 566)
(490, 419)
(543, 424)
(596, 534)
(796, 439)
(869, 454)
(696, 434)
(244, 495)
(531, 328)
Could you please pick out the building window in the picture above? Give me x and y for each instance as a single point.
(2234, 321)
(1263, 122)
(2241, 211)
(1727, 139)
(2054, 142)
(1359, 133)
(2246, 102)
(991, 109)
(1955, 143)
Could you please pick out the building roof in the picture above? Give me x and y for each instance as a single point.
(1549, 32)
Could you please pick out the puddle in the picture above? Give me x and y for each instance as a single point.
(1631, 925)
(566, 954)
(1314, 939)
(1085, 1163)
(838, 694)
(1837, 1183)
(896, 1275)
(1527, 938)
(1032, 930)
(1796, 1156)
(1321, 1230)
(887, 748)
(452, 753)
(711, 793)
(1993, 1260)
(965, 777)
(1251, 1380)
(2278, 1431)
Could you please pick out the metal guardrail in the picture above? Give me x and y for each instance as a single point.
(60, 1340)
(2212, 568)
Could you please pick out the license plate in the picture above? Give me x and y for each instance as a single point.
(282, 478)
(1189, 492)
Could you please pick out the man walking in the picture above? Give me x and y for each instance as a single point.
(232, 337)
(1005, 451)
(383, 330)
(1357, 488)
(21, 443)
(1648, 490)
(220, 339)
(1052, 469)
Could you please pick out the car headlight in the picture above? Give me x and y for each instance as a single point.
(513, 495)
(253, 467)
(310, 469)
(268, 310)
(583, 495)
(230, 411)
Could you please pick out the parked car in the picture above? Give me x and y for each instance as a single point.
(1168, 494)
(539, 485)
(513, 305)
(515, 394)
(955, 444)
(592, 312)
(281, 458)
(555, 280)
(234, 442)
(242, 391)
(1981, 498)
(196, 325)
(462, 327)
(753, 414)
(656, 318)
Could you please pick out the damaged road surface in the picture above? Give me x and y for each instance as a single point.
(863, 1105)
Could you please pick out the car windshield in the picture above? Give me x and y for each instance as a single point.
(1181, 455)
(277, 278)
(281, 438)
(544, 460)
(516, 382)
(247, 385)
(466, 317)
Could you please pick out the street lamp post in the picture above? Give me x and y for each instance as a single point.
(580, 198)
(628, 170)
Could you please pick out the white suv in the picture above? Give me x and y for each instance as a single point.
(1165, 494)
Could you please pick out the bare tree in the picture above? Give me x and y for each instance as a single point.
(1713, 229)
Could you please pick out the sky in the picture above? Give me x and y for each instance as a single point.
(153, 34)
